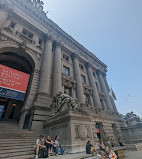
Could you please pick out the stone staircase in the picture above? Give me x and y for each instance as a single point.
(19, 144)
(16, 143)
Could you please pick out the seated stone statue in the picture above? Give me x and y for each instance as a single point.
(132, 119)
(63, 102)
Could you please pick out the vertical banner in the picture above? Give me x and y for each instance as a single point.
(1, 110)
(13, 83)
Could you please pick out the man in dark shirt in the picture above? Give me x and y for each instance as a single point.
(90, 149)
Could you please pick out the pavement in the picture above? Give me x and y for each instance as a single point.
(133, 154)
(128, 153)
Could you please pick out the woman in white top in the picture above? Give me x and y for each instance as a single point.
(58, 146)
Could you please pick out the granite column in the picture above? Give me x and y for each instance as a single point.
(92, 82)
(44, 84)
(3, 17)
(105, 91)
(77, 75)
(57, 69)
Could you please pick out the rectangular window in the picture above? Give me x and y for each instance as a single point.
(83, 79)
(40, 43)
(27, 33)
(94, 74)
(81, 66)
(12, 25)
(68, 91)
(97, 86)
(66, 57)
(86, 98)
(66, 71)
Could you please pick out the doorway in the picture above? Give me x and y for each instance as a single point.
(100, 131)
(10, 109)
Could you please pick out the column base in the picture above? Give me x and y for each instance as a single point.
(42, 112)
(22, 119)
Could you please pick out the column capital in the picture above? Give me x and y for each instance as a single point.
(75, 55)
(88, 65)
(101, 72)
(58, 43)
(49, 38)
(7, 7)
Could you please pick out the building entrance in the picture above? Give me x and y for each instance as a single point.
(10, 108)
(100, 131)
(15, 78)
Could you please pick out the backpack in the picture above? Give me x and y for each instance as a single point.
(44, 153)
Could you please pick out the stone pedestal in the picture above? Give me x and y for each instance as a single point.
(73, 128)
(132, 134)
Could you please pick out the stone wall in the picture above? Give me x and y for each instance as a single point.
(132, 134)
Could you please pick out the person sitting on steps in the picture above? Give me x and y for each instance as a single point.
(90, 149)
(49, 144)
(102, 147)
(58, 146)
(110, 154)
(39, 145)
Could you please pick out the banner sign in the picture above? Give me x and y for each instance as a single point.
(13, 83)
(1, 110)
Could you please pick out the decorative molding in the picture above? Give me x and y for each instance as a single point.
(68, 81)
(87, 88)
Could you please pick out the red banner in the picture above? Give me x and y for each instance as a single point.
(13, 79)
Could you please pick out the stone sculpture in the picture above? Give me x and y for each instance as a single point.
(38, 4)
(132, 119)
(63, 102)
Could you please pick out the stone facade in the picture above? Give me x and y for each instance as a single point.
(56, 63)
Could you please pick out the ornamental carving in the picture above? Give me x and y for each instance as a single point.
(87, 89)
(3, 37)
(82, 132)
(68, 81)
(23, 45)
(6, 39)
(9, 30)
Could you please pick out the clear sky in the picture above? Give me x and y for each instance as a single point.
(112, 30)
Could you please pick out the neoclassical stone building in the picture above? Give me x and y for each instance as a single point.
(32, 43)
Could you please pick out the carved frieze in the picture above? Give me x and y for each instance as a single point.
(82, 131)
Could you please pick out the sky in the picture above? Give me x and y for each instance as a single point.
(112, 30)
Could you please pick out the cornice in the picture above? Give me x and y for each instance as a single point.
(60, 35)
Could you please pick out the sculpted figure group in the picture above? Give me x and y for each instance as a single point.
(63, 102)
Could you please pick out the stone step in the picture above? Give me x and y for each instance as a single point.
(8, 141)
(16, 147)
(17, 144)
(17, 139)
(14, 154)
(16, 150)
(22, 157)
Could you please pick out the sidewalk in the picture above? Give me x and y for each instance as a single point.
(133, 154)
(73, 156)
(129, 155)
